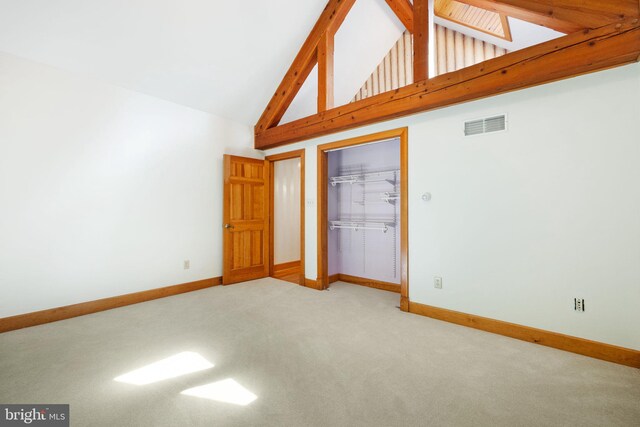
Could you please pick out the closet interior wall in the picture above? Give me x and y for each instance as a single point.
(364, 211)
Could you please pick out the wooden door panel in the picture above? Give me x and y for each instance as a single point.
(257, 250)
(237, 201)
(257, 203)
(247, 249)
(246, 219)
(236, 251)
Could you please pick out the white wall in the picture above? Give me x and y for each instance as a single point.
(523, 221)
(104, 191)
(286, 211)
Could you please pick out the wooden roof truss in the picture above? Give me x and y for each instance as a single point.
(600, 34)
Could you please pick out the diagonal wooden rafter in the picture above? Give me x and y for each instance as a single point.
(578, 53)
(330, 20)
(566, 16)
(404, 11)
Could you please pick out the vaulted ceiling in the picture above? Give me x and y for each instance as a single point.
(223, 57)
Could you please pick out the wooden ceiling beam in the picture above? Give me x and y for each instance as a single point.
(325, 72)
(566, 16)
(506, 27)
(332, 17)
(568, 56)
(421, 40)
(404, 11)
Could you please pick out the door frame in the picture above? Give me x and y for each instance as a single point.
(271, 160)
(323, 220)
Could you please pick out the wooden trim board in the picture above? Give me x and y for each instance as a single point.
(288, 271)
(322, 216)
(81, 309)
(313, 284)
(279, 268)
(369, 283)
(404, 221)
(597, 350)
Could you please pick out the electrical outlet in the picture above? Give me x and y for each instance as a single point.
(578, 304)
(437, 282)
(187, 264)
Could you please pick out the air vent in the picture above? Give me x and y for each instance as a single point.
(490, 124)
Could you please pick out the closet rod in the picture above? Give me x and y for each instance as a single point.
(361, 225)
(356, 228)
(364, 178)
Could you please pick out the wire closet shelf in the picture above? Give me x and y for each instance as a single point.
(388, 197)
(361, 225)
(389, 176)
(382, 176)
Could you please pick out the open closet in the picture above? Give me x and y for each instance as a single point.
(364, 214)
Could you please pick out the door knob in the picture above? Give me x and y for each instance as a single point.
(228, 226)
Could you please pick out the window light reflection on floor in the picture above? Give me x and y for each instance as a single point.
(228, 391)
(171, 367)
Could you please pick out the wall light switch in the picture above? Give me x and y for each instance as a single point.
(437, 282)
(187, 264)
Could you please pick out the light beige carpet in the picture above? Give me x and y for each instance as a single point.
(345, 357)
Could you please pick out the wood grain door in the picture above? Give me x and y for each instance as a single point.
(246, 219)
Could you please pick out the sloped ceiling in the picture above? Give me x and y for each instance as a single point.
(223, 57)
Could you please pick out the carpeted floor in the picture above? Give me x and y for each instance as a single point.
(345, 357)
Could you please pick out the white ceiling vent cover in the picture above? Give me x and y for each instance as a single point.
(490, 124)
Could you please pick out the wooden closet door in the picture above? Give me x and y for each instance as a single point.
(246, 219)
